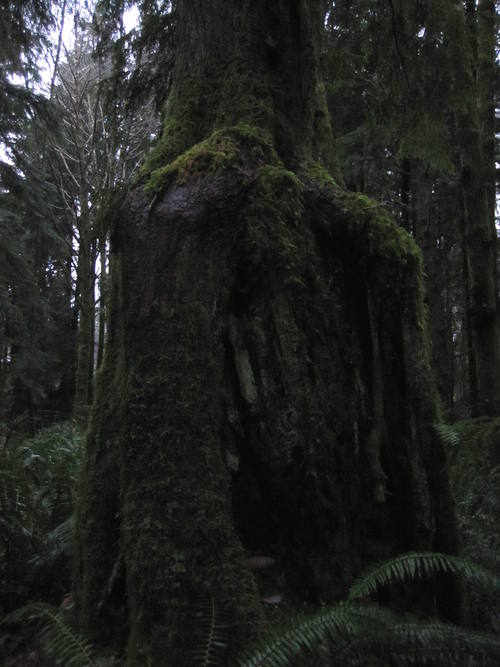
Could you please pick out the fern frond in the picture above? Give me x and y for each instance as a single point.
(59, 542)
(354, 631)
(447, 434)
(413, 566)
(212, 633)
(59, 642)
(375, 636)
(439, 642)
(336, 626)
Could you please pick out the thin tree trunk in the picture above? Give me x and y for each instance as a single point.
(406, 195)
(478, 197)
(103, 299)
(425, 223)
(86, 316)
(58, 49)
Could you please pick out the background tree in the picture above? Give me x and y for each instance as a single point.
(96, 148)
(413, 65)
(477, 155)
(24, 357)
(63, 169)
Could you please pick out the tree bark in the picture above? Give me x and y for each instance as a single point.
(86, 315)
(265, 388)
(478, 203)
(427, 223)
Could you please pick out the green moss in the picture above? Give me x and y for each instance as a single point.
(176, 136)
(197, 110)
(240, 90)
(189, 118)
(223, 150)
(274, 209)
(247, 97)
(217, 152)
(294, 361)
(177, 535)
(97, 548)
(316, 173)
(323, 149)
(385, 236)
(388, 254)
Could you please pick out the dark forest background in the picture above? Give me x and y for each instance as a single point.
(413, 94)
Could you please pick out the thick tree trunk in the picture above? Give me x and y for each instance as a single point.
(265, 388)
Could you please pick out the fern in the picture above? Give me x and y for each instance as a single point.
(415, 566)
(353, 630)
(37, 478)
(59, 544)
(429, 641)
(58, 641)
(212, 631)
(339, 626)
(447, 434)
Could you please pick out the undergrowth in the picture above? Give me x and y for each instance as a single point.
(357, 631)
(361, 632)
(474, 454)
(37, 482)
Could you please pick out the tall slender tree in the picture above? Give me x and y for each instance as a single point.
(477, 153)
(94, 150)
(425, 74)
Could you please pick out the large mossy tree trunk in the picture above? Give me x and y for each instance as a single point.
(265, 388)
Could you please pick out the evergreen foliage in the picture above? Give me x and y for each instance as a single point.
(142, 59)
(475, 475)
(67, 156)
(475, 478)
(23, 30)
(405, 85)
(37, 481)
(35, 289)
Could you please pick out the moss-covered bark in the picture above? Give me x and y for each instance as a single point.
(266, 389)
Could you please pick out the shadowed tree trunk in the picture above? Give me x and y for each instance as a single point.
(86, 317)
(265, 387)
(478, 212)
